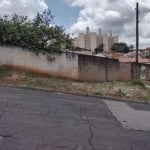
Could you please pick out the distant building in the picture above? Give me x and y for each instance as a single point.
(90, 40)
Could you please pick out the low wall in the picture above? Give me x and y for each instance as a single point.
(65, 65)
(73, 66)
(113, 69)
(142, 71)
(92, 68)
(125, 73)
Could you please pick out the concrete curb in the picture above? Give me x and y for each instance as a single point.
(120, 99)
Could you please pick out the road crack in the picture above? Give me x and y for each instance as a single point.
(55, 112)
(40, 147)
(75, 147)
(45, 114)
(90, 140)
(91, 134)
(8, 136)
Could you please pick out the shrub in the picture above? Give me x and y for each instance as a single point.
(3, 73)
(50, 58)
(121, 93)
(138, 82)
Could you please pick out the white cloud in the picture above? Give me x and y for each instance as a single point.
(115, 15)
(22, 7)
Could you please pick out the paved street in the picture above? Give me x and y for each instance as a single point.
(37, 120)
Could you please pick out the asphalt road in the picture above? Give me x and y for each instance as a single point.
(37, 120)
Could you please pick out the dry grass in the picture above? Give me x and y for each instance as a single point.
(117, 89)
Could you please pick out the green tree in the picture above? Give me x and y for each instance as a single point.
(131, 46)
(120, 47)
(39, 34)
(100, 48)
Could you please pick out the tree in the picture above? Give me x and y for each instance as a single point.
(120, 47)
(131, 47)
(39, 34)
(100, 48)
(47, 17)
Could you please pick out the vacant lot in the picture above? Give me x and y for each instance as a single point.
(138, 90)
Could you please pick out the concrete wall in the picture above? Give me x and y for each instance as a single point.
(64, 65)
(93, 68)
(142, 70)
(125, 72)
(74, 66)
(113, 69)
(98, 69)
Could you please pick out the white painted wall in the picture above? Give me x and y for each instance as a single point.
(63, 66)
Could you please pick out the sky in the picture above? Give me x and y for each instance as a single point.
(75, 15)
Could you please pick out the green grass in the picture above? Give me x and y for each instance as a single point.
(141, 83)
(32, 75)
(138, 82)
(40, 83)
(97, 92)
(148, 94)
(3, 73)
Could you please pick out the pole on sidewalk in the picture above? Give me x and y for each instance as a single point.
(137, 38)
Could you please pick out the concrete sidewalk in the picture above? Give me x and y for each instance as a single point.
(130, 117)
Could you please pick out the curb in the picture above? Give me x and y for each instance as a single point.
(119, 99)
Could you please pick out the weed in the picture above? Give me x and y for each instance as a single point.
(97, 92)
(3, 73)
(40, 83)
(120, 92)
(50, 58)
(32, 75)
(138, 82)
(79, 81)
(148, 94)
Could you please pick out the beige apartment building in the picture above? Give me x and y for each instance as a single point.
(91, 40)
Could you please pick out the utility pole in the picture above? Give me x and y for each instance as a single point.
(137, 37)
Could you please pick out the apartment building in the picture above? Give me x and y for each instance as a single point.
(91, 40)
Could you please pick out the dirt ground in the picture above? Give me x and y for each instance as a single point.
(131, 90)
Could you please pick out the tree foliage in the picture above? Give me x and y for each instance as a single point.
(100, 48)
(120, 47)
(39, 34)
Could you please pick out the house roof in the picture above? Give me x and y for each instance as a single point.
(141, 60)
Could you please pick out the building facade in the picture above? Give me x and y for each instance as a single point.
(91, 40)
